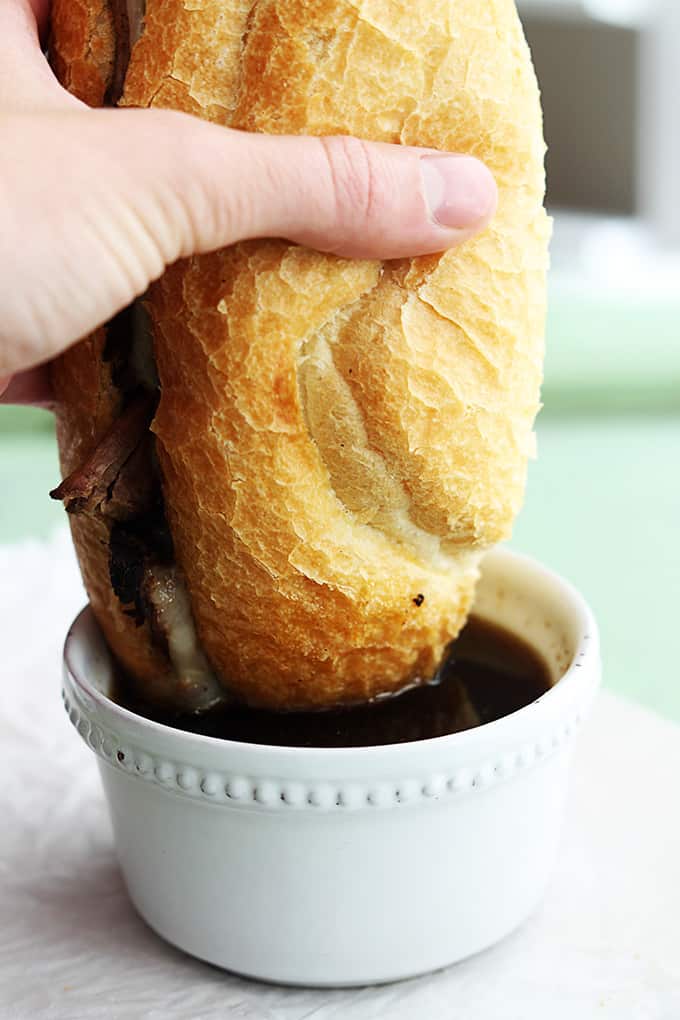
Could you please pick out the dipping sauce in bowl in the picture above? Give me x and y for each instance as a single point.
(489, 673)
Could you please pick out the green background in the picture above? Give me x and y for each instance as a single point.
(603, 501)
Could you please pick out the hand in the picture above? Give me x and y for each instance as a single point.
(94, 204)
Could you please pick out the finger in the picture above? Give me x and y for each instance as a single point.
(41, 9)
(32, 387)
(26, 80)
(130, 191)
(198, 187)
(342, 195)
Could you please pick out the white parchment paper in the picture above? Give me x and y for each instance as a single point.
(605, 944)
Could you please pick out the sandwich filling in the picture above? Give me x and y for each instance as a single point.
(119, 484)
(128, 25)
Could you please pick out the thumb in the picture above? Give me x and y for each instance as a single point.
(95, 204)
(342, 195)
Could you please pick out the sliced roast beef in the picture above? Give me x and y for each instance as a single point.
(128, 20)
(116, 481)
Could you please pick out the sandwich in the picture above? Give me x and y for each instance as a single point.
(283, 468)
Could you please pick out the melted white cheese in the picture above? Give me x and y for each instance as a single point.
(197, 686)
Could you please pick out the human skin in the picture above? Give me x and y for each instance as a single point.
(95, 204)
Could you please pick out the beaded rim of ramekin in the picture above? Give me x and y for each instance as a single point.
(556, 715)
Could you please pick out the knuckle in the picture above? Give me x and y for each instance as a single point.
(204, 212)
(355, 182)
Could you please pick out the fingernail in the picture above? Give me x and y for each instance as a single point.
(459, 190)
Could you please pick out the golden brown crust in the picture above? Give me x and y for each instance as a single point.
(338, 439)
(188, 57)
(292, 597)
(82, 47)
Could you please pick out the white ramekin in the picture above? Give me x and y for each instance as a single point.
(350, 866)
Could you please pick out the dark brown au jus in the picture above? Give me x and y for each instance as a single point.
(488, 673)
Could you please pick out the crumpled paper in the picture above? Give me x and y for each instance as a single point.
(605, 943)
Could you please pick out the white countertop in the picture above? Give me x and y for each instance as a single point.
(605, 943)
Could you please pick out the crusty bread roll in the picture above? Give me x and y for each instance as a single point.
(338, 441)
